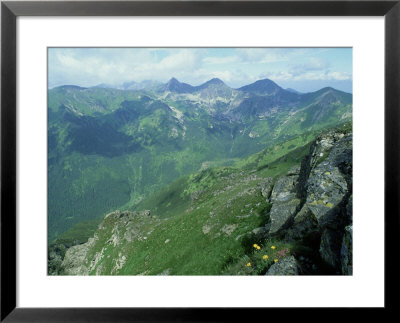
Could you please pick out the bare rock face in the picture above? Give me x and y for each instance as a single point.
(328, 193)
(284, 189)
(304, 223)
(266, 187)
(284, 203)
(330, 184)
(281, 215)
(75, 261)
(330, 247)
(346, 252)
(326, 189)
(287, 266)
(323, 146)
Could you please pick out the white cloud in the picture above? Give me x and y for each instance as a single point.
(262, 55)
(235, 66)
(221, 60)
(181, 60)
(308, 76)
(105, 66)
(312, 64)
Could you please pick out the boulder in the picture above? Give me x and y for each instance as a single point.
(323, 145)
(326, 190)
(330, 181)
(341, 156)
(284, 203)
(282, 214)
(304, 223)
(287, 266)
(284, 189)
(266, 187)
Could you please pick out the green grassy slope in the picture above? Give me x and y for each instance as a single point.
(110, 149)
(199, 224)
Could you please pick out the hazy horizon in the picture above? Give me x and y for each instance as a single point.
(301, 69)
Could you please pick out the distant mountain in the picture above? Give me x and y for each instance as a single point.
(173, 85)
(262, 87)
(88, 101)
(212, 82)
(70, 88)
(105, 86)
(326, 96)
(293, 90)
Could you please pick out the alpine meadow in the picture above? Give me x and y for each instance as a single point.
(200, 161)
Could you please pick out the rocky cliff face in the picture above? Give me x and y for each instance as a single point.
(312, 204)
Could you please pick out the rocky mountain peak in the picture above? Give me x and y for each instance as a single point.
(265, 87)
(215, 80)
(173, 85)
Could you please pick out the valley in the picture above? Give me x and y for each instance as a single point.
(197, 173)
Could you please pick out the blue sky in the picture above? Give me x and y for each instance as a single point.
(303, 69)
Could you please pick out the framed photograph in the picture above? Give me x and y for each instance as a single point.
(167, 161)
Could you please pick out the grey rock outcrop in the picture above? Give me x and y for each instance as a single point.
(304, 223)
(266, 187)
(330, 183)
(329, 192)
(330, 247)
(74, 259)
(312, 204)
(287, 266)
(284, 203)
(326, 189)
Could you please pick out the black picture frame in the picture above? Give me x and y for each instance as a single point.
(10, 10)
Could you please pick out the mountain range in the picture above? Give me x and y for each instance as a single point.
(113, 148)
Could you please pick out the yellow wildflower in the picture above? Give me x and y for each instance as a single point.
(258, 247)
(275, 260)
(265, 257)
(273, 247)
(248, 264)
